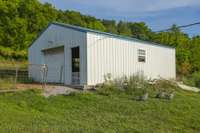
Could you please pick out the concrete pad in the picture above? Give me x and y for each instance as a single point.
(188, 88)
(57, 90)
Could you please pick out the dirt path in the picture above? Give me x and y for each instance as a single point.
(49, 90)
(22, 87)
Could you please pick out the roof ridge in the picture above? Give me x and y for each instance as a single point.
(84, 29)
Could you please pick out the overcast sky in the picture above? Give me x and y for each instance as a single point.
(158, 14)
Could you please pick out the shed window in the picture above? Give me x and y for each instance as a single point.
(141, 55)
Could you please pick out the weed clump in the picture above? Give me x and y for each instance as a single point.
(137, 87)
(165, 89)
(6, 84)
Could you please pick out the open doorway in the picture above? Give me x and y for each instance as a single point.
(75, 66)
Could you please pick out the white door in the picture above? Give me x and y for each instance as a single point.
(54, 59)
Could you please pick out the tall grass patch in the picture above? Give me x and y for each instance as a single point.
(136, 87)
(7, 83)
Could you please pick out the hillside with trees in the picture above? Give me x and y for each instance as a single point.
(22, 20)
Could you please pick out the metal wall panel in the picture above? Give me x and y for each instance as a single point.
(54, 60)
(56, 36)
(102, 54)
(107, 54)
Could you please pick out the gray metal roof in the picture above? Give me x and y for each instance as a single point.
(81, 29)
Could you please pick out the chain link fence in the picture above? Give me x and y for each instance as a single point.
(11, 77)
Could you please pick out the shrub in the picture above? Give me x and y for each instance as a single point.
(8, 53)
(196, 78)
(188, 81)
(137, 87)
(165, 86)
(137, 84)
(107, 89)
(192, 80)
(133, 85)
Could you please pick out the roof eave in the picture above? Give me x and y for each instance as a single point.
(85, 30)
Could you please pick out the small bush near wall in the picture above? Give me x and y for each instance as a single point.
(136, 87)
(192, 80)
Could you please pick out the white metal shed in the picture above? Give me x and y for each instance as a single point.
(81, 56)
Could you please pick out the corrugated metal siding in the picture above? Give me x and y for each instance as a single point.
(54, 59)
(103, 54)
(60, 36)
(119, 57)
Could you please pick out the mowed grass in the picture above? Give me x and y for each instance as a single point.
(28, 111)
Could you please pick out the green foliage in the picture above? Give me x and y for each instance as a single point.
(193, 79)
(140, 30)
(137, 84)
(12, 65)
(110, 86)
(108, 90)
(165, 86)
(22, 20)
(196, 78)
(123, 29)
(195, 54)
(8, 54)
(188, 81)
(110, 26)
(134, 86)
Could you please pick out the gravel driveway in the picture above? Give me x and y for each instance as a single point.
(58, 90)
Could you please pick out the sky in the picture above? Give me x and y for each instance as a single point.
(157, 14)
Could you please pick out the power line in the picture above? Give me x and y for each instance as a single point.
(182, 26)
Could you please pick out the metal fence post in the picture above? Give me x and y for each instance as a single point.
(16, 77)
(44, 75)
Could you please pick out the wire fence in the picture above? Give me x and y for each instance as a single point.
(11, 77)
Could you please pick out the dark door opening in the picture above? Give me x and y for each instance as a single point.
(75, 65)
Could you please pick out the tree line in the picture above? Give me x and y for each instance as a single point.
(22, 20)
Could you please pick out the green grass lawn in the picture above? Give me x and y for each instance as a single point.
(91, 112)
